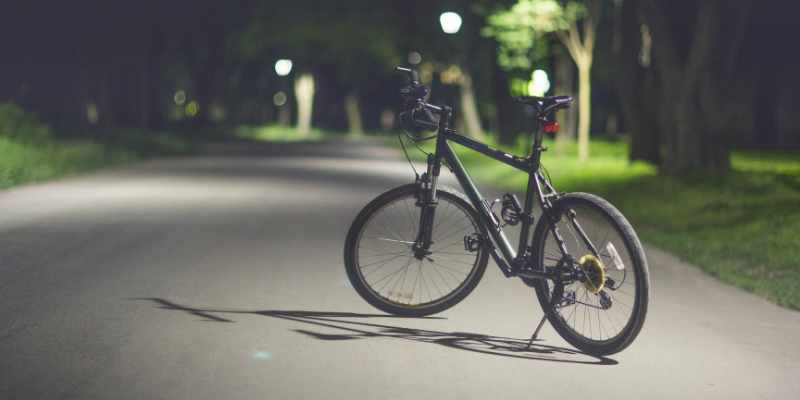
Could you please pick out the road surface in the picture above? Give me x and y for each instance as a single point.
(221, 277)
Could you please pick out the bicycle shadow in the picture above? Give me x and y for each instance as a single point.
(354, 330)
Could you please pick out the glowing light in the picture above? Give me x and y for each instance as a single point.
(451, 22)
(387, 120)
(180, 97)
(261, 354)
(217, 113)
(452, 76)
(192, 108)
(92, 114)
(283, 67)
(426, 73)
(279, 99)
(539, 84)
(414, 58)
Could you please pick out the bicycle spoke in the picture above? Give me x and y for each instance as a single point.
(388, 262)
(587, 317)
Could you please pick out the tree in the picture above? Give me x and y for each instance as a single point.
(520, 27)
(695, 82)
(354, 37)
(635, 83)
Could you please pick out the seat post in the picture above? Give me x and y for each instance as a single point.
(537, 149)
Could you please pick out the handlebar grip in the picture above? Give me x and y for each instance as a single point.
(414, 76)
(412, 73)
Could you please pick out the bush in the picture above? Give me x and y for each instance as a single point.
(22, 126)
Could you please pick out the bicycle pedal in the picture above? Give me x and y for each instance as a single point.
(472, 242)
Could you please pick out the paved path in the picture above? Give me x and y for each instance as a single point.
(221, 277)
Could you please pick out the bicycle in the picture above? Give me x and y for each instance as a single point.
(421, 248)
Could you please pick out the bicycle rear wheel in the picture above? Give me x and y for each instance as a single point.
(604, 314)
(381, 262)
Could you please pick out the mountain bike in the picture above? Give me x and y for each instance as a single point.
(421, 248)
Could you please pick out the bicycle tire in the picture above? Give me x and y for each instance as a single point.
(609, 330)
(381, 267)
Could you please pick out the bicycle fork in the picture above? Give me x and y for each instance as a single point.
(427, 202)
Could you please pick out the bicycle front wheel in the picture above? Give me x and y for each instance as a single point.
(604, 313)
(386, 271)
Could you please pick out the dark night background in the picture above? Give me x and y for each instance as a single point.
(129, 58)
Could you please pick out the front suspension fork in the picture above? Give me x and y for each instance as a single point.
(427, 201)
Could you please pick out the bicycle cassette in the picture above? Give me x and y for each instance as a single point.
(595, 273)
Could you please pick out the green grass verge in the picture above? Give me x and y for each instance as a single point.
(275, 133)
(743, 228)
(23, 163)
(29, 152)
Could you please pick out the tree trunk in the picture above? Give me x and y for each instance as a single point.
(690, 146)
(565, 76)
(284, 115)
(581, 51)
(353, 112)
(144, 84)
(469, 109)
(584, 107)
(505, 108)
(264, 100)
(304, 92)
(635, 87)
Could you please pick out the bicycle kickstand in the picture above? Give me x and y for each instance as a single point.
(558, 293)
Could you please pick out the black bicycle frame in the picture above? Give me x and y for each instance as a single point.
(516, 266)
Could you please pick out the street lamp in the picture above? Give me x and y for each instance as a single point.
(451, 22)
(283, 67)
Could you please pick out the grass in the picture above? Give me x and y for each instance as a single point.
(743, 228)
(275, 133)
(24, 162)
(29, 152)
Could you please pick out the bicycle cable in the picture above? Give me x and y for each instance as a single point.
(400, 125)
(546, 173)
(412, 140)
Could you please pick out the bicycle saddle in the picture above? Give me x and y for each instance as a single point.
(543, 104)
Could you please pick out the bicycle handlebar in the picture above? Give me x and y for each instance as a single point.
(417, 93)
(412, 73)
(430, 124)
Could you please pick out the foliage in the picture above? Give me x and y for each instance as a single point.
(23, 163)
(22, 126)
(307, 33)
(274, 132)
(520, 29)
(29, 153)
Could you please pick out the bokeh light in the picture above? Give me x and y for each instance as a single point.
(180, 97)
(192, 109)
(279, 99)
(283, 67)
(451, 22)
(414, 58)
(539, 84)
(92, 113)
(452, 76)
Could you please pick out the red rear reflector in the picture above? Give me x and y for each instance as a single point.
(550, 126)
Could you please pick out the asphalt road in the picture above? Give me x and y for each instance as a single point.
(221, 277)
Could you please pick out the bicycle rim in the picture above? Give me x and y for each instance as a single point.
(595, 318)
(387, 266)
